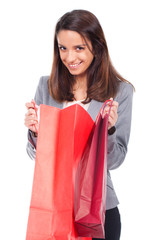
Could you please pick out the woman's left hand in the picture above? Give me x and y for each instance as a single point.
(113, 113)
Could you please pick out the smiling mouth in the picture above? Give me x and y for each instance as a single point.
(74, 66)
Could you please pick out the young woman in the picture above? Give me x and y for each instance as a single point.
(82, 73)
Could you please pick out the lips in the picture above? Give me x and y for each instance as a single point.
(74, 66)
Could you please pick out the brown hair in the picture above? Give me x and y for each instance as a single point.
(102, 78)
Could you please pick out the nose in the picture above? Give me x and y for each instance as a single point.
(71, 56)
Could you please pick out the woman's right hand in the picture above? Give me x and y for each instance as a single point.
(31, 119)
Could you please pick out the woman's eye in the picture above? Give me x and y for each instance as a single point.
(80, 48)
(62, 48)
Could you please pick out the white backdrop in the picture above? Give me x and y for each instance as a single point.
(26, 46)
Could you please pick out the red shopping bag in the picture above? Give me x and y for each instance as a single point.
(91, 177)
(62, 136)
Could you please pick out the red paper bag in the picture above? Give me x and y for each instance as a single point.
(91, 177)
(61, 140)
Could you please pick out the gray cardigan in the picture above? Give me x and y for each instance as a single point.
(117, 142)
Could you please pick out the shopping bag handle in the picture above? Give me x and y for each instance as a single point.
(34, 105)
(102, 109)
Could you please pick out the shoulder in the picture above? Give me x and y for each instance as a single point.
(43, 86)
(125, 91)
(42, 90)
(43, 82)
(124, 98)
(43, 96)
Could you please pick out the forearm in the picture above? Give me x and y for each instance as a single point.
(31, 145)
(116, 152)
(118, 141)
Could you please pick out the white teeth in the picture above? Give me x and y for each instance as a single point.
(74, 65)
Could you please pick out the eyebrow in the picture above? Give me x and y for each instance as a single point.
(80, 45)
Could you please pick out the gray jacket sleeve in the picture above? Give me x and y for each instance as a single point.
(31, 145)
(117, 143)
(32, 141)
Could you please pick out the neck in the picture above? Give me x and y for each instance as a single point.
(80, 88)
(80, 83)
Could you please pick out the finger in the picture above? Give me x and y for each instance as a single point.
(34, 104)
(113, 103)
(29, 105)
(107, 110)
(31, 119)
(113, 117)
(31, 112)
(30, 122)
(111, 122)
(113, 110)
(110, 105)
(32, 127)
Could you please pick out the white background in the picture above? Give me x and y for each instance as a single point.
(26, 45)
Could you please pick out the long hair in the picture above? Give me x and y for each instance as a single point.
(102, 78)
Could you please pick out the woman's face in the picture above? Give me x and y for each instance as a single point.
(74, 52)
